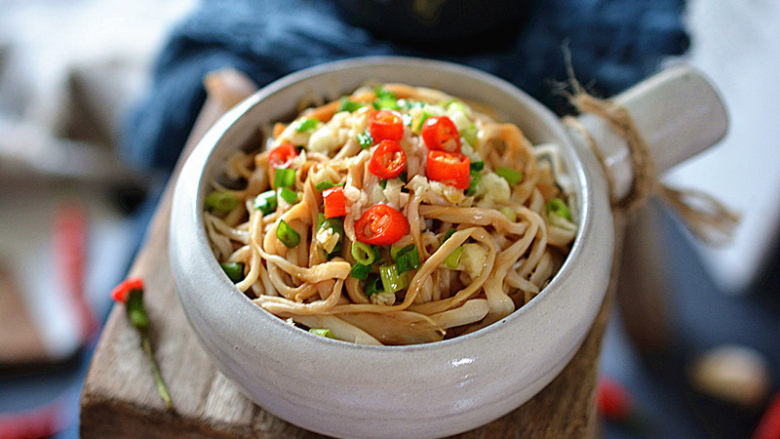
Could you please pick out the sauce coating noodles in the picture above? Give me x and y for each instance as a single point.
(355, 221)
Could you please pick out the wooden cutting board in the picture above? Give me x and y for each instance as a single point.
(119, 399)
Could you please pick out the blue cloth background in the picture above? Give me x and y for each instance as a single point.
(614, 43)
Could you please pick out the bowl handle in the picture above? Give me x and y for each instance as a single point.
(678, 112)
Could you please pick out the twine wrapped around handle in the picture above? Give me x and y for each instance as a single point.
(707, 218)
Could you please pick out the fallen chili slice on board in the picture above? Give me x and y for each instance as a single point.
(131, 293)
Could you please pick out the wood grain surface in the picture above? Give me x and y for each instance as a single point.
(119, 399)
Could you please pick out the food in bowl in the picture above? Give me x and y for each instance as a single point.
(396, 215)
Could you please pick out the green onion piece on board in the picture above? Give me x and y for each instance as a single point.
(477, 166)
(287, 234)
(322, 332)
(453, 259)
(509, 213)
(348, 105)
(363, 253)
(510, 175)
(365, 140)
(392, 280)
(289, 195)
(307, 124)
(222, 202)
(449, 233)
(285, 177)
(558, 207)
(372, 285)
(266, 202)
(234, 270)
(360, 271)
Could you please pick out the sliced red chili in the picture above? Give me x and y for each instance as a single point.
(282, 156)
(381, 225)
(121, 291)
(386, 125)
(335, 202)
(450, 168)
(440, 133)
(388, 160)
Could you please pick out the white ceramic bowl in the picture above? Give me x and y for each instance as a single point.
(431, 390)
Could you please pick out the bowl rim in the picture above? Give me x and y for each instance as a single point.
(214, 136)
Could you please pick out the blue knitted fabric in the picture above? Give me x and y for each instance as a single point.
(614, 43)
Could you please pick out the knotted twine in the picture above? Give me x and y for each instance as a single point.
(704, 216)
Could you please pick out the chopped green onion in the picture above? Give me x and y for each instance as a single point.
(234, 270)
(392, 281)
(289, 195)
(322, 332)
(510, 175)
(285, 177)
(266, 202)
(509, 213)
(383, 183)
(383, 93)
(477, 166)
(377, 249)
(453, 259)
(363, 253)
(386, 100)
(287, 234)
(470, 134)
(321, 186)
(407, 119)
(336, 226)
(365, 140)
(307, 124)
(386, 104)
(558, 207)
(407, 258)
(394, 251)
(327, 184)
(457, 106)
(423, 118)
(348, 105)
(402, 176)
(222, 202)
(449, 233)
(372, 285)
(475, 179)
(360, 271)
